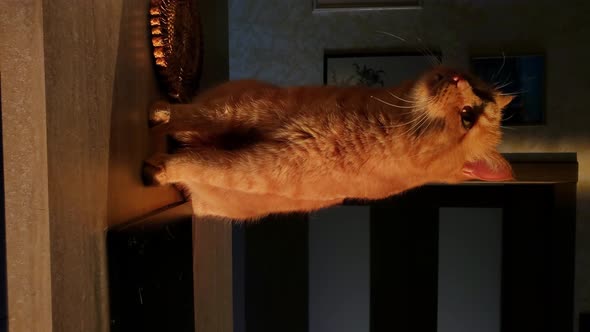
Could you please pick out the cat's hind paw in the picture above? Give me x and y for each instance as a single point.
(153, 175)
(159, 113)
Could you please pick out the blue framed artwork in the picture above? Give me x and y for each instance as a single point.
(522, 76)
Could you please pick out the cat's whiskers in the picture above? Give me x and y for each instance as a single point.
(414, 101)
(392, 35)
(418, 122)
(434, 60)
(392, 105)
(508, 78)
(426, 127)
(508, 118)
(516, 93)
(423, 127)
(502, 86)
(422, 103)
(501, 67)
(416, 119)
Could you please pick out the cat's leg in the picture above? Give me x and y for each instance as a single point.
(216, 167)
(211, 115)
(169, 118)
(264, 169)
(240, 206)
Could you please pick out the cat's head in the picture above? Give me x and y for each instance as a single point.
(464, 114)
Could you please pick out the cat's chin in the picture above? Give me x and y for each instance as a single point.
(497, 169)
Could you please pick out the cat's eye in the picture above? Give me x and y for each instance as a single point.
(468, 117)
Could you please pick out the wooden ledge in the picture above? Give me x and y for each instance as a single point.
(543, 167)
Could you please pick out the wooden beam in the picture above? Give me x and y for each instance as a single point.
(544, 167)
(213, 282)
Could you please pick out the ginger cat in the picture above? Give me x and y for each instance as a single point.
(247, 149)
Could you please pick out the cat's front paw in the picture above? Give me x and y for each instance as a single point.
(153, 175)
(159, 113)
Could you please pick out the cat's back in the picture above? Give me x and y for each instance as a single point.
(238, 89)
(255, 91)
(264, 105)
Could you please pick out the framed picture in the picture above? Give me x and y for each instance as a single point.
(376, 69)
(520, 75)
(347, 5)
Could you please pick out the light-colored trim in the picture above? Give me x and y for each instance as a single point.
(213, 275)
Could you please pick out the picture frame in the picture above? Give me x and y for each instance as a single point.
(522, 76)
(356, 5)
(376, 68)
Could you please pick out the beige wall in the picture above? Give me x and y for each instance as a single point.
(58, 62)
(284, 43)
(80, 44)
(77, 81)
(25, 166)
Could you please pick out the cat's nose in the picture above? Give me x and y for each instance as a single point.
(462, 84)
(456, 78)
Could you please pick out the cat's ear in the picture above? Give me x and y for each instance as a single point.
(494, 168)
(503, 100)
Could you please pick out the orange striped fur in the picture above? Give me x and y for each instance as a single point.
(246, 149)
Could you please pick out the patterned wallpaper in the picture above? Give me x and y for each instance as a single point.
(282, 41)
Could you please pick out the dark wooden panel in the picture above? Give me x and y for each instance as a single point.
(544, 167)
(538, 264)
(436, 196)
(585, 322)
(404, 256)
(561, 235)
(276, 274)
(151, 275)
(525, 274)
